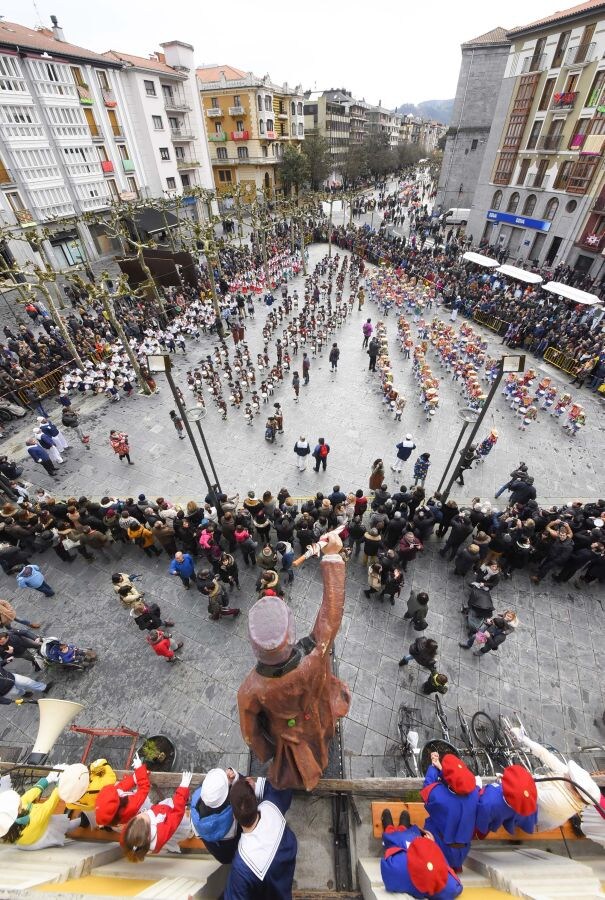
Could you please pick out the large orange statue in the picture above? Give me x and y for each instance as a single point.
(290, 702)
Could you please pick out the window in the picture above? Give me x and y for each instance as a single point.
(132, 185)
(525, 164)
(218, 127)
(533, 135)
(551, 208)
(113, 121)
(168, 95)
(236, 100)
(186, 180)
(164, 154)
(171, 184)
(261, 126)
(299, 109)
(158, 125)
(514, 131)
(268, 104)
(474, 144)
(91, 122)
(269, 124)
(103, 81)
(549, 87)
(224, 175)
(594, 94)
(301, 129)
(75, 71)
(221, 152)
(113, 188)
(260, 103)
(561, 48)
(580, 131)
(179, 152)
(562, 175)
(103, 157)
(541, 173)
(173, 122)
(293, 108)
(150, 88)
(293, 129)
(529, 205)
(513, 203)
(265, 150)
(214, 102)
(242, 152)
(496, 200)
(571, 206)
(239, 125)
(14, 201)
(123, 151)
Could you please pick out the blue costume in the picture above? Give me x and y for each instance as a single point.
(218, 828)
(263, 867)
(493, 812)
(451, 817)
(394, 866)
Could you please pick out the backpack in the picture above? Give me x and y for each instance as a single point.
(323, 451)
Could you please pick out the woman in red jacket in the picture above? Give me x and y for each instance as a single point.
(118, 803)
(119, 444)
(149, 831)
(163, 644)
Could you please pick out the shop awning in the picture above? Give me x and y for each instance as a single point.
(151, 221)
(520, 274)
(480, 260)
(571, 293)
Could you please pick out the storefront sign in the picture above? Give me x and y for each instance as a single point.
(521, 221)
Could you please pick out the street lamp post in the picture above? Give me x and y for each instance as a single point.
(468, 416)
(195, 415)
(161, 362)
(510, 363)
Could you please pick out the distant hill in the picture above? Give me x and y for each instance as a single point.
(440, 110)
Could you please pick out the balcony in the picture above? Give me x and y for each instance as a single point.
(240, 135)
(214, 112)
(592, 241)
(128, 165)
(550, 143)
(580, 55)
(24, 218)
(109, 99)
(598, 204)
(107, 166)
(577, 141)
(117, 132)
(237, 111)
(217, 136)
(535, 63)
(565, 100)
(186, 163)
(84, 95)
(282, 115)
(176, 104)
(178, 134)
(536, 181)
(271, 135)
(248, 160)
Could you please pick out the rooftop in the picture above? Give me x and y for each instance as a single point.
(208, 74)
(581, 8)
(497, 35)
(157, 62)
(43, 40)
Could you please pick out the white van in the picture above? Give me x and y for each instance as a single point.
(456, 216)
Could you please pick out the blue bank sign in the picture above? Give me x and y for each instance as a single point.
(520, 221)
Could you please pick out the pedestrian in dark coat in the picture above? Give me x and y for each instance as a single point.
(449, 511)
(466, 559)
(423, 651)
(461, 528)
(409, 548)
(418, 604)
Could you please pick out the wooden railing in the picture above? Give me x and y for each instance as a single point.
(561, 360)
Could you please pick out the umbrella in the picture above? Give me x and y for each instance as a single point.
(480, 260)
(571, 293)
(520, 274)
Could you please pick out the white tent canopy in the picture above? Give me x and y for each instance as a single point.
(520, 274)
(571, 293)
(480, 260)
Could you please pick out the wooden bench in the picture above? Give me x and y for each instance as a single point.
(418, 817)
(99, 835)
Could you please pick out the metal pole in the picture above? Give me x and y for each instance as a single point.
(183, 415)
(208, 454)
(474, 431)
(330, 230)
(449, 462)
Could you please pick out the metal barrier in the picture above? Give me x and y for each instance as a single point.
(493, 322)
(561, 360)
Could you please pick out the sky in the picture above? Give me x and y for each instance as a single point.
(385, 51)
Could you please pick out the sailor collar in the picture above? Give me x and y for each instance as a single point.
(258, 848)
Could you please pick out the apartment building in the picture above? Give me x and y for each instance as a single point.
(540, 174)
(385, 121)
(249, 121)
(329, 113)
(163, 103)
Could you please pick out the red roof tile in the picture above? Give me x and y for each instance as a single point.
(589, 6)
(43, 40)
(208, 74)
(141, 62)
(495, 36)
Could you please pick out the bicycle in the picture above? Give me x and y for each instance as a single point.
(408, 740)
(481, 756)
(444, 744)
(498, 741)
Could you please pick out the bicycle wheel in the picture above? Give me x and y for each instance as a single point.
(438, 746)
(464, 729)
(484, 729)
(485, 765)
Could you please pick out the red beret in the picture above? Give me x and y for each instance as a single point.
(107, 804)
(519, 790)
(427, 866)
(269, 592)
(457, 775)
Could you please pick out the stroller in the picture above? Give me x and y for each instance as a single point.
(480, 607)
(270, 430)
(66, 656)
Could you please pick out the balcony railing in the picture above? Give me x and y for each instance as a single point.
(218, 136)
(178, 134)
(550, 142)
(580, 55)
(109, 99)
(248, 160)
(117, 132)
(598, 204)
(271, 135)
(214, 111)
(24, 217)
(186, 163)
(282, 115)
(565, 100)
(237, 111)
(240, 135)
(535, 63)
(128, 165)
(176, 103)
(84, 95)
(536, 181)
(592, 241)
(107, 166)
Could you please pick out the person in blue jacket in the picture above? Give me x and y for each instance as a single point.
(413, 864)
(212, 816)
(512, 804)
(264, 864)
(182, 565)
(450, 797)
(31, 576)
(39, 455)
